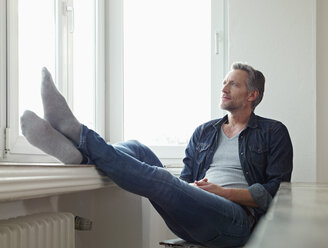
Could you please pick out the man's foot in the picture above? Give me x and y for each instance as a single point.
(56, 110)
(40, 134)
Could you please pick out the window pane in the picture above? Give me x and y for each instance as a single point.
(84, 62)
(36, 48)
(166, 69)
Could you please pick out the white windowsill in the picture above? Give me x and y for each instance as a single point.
(20, 181)
(26, 180)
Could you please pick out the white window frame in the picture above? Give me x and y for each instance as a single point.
(3, 73)
(13, 146)
(170, 155)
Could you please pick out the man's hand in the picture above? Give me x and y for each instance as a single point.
(210, 187)
(240, 196)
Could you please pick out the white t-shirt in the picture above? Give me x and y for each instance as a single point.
(225, 169)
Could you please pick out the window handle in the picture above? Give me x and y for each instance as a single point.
(217, 42)
(71, 10)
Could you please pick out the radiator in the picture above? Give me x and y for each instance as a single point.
(46, 230)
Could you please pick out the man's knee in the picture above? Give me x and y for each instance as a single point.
(135, 145)
(135, 148)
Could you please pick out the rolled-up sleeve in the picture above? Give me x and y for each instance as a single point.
(260, 195)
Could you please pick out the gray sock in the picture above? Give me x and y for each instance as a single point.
(40, 134)
(56, 110)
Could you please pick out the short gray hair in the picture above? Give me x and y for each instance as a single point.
(255, 80)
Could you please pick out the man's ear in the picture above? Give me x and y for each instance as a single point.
(252, 95)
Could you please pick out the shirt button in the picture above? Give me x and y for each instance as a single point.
(246, 172)
(242, 153)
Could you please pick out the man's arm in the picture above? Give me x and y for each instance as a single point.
(278, 168)
(187, 171)
(240, 196)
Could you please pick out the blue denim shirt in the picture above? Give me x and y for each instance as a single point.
(265, 153)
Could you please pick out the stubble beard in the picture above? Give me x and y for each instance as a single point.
(227, 107)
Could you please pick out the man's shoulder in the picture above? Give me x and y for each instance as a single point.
(265, 119)
(210, 124)
(213, 122)
(264, 122)
(274, 130)
(208, 127)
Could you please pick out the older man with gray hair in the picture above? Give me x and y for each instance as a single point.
(232, 169)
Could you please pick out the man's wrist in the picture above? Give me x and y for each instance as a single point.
(225, 192)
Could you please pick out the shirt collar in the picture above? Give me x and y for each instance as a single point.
(252, 122)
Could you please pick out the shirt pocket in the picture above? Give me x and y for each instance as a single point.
(258, 155)
(202, 149)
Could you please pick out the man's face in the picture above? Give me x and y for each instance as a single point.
(235, 95)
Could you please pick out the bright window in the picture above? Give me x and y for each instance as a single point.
(84, 62)
(36, 48)
(64, 37)
(166, 61)
(167, 69)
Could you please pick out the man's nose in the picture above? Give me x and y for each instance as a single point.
(225, 88)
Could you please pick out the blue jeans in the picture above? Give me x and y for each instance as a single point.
(191, 213)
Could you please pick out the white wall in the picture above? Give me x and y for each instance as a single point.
(116, 215)
(278, 38)
(322, 90)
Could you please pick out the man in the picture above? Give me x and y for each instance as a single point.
(233, 166)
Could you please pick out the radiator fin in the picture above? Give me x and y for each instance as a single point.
(46, 230)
